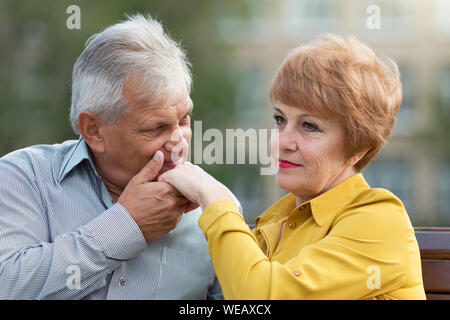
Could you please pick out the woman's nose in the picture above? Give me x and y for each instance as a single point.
(287, 140)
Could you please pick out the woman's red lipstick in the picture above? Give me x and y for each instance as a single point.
(287, 164)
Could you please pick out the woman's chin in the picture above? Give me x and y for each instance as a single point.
(288, 183)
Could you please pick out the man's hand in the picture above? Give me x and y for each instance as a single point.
(155, 206)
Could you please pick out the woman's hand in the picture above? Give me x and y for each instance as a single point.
(195, 184)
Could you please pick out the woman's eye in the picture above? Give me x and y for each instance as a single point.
(310, 126)
(279, 120)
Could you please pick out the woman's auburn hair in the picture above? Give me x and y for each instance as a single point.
(338, 76)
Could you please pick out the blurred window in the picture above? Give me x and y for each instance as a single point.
(396, 19)
(394, 175)
(305, 18)
(444, 88)
(443, 194)
(245, 22)
(407, 115)
(442, 16)
(248, 99)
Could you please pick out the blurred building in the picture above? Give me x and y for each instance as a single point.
(415, 33)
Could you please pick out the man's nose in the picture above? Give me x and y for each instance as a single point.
(175, 138)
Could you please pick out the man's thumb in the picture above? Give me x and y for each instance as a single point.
(151, 169)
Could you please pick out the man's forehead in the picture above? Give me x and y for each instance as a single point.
(183, 104)
(139, 99)
(174, 110)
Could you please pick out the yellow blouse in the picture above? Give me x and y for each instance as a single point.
(351, 242)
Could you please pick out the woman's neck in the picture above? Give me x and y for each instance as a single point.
(346, 173)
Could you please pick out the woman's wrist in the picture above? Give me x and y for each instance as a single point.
(210, 197)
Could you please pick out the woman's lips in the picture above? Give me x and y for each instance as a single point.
(287, 164)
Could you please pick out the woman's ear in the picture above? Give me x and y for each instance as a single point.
(90, 127)
(355, 159)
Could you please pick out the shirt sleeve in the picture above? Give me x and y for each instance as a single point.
(215, 292)
(73, 265)
(364, 255)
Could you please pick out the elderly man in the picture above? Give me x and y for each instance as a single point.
(87, 219)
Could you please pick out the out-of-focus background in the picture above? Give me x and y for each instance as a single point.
(235, 48)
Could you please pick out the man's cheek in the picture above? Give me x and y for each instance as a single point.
(187, 133)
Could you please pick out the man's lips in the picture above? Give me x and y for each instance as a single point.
(287, 164)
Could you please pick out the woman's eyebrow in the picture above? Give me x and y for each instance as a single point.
(301, 115)
(306, 115)
(278, 109)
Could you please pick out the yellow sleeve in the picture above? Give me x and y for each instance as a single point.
(363, 256)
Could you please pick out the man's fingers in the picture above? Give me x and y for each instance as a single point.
(151, 169)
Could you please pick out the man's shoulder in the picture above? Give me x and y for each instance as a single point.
(32, 158)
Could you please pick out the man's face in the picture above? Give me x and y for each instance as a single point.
(133, 140)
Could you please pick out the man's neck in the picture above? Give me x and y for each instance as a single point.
(114, 191)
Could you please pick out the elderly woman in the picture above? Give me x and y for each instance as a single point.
(332, 236)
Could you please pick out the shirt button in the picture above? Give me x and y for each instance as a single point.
(296, 273)
(292, 225)
(122, 281)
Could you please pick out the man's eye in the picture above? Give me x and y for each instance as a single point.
(159, 128)
(279, 120)
(186, 118)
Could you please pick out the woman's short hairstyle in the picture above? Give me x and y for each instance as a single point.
(337, 76)
(136, 51)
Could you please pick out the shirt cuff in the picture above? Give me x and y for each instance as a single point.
(216, 210)
(117, 233)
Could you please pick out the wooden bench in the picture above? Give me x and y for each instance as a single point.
(434, 244)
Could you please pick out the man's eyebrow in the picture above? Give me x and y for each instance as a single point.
(191, 108)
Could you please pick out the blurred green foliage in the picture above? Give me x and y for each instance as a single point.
(38, 52)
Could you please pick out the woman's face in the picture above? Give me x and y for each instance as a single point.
(309, 150)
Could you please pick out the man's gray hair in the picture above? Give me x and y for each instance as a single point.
(135, 48)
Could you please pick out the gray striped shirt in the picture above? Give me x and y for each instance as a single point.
(62, 237)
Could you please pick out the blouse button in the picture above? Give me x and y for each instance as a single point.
(302, 207)
(292, 225)
(296, 273)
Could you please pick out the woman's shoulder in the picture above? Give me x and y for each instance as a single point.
(377, 211)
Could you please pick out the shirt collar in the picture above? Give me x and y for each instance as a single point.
(74, 158)
(323, 207)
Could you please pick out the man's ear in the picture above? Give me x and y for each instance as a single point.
(90, 127)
